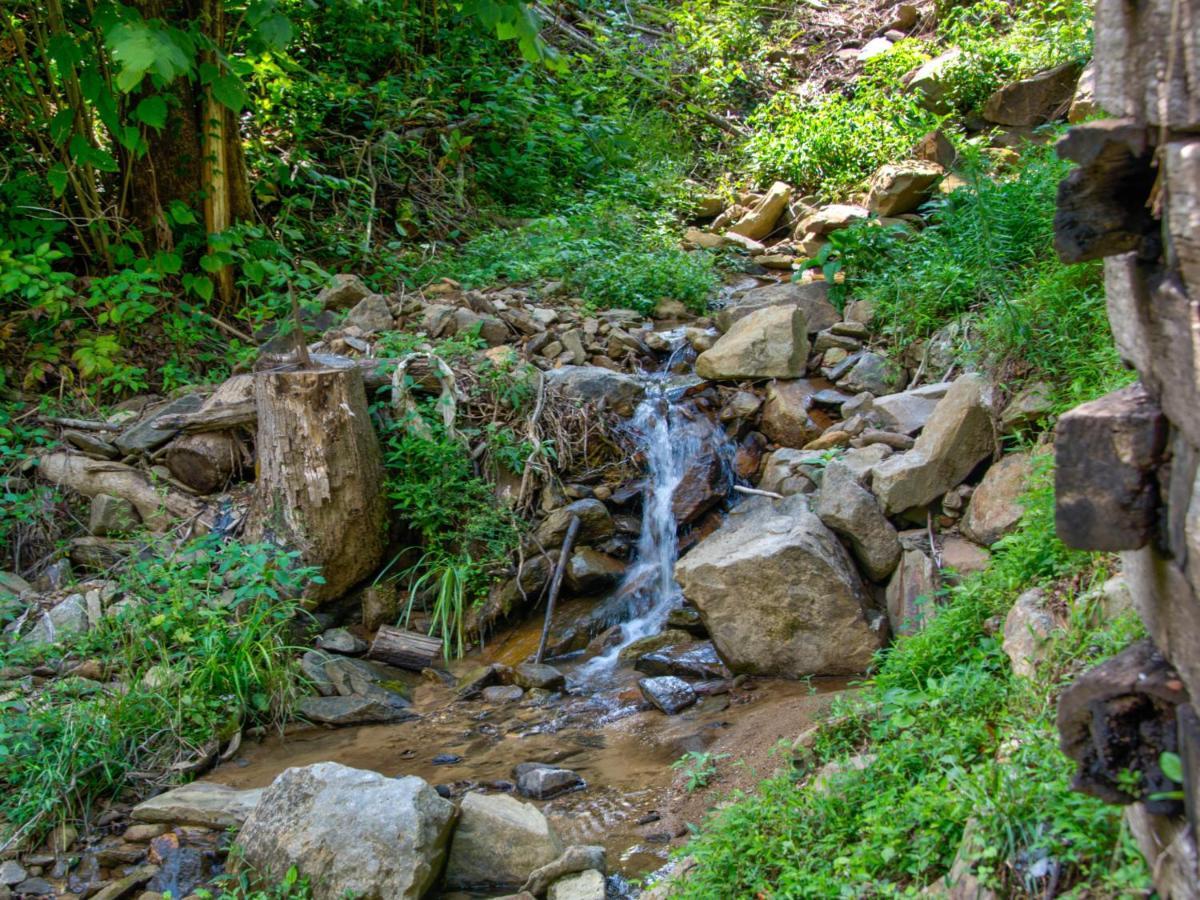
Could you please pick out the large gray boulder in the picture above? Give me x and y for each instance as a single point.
(957, 437)
(812, 299)
(350, 831)
(995, 508)
(595, 523)
(595, 384)
(931, 83)
(498, 843)
(780, 595)
(1033, 100)
(768, 343)
(848, 508)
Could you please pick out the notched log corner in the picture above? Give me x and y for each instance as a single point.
(1103, 205)
(1121, 716)
(1107, 455)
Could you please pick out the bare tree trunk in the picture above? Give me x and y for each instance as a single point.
(320, 475)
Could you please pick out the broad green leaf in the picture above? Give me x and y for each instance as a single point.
(142, 47)
(151, 111)
(57, 177)
(180, 214)
(275, 31)
(228, 92)
(61, 125)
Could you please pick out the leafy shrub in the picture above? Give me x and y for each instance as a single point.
(830, 144)
(605, 250)
(201, 650)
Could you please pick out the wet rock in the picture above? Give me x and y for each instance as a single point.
(1083, 103)
(35, 887)
(768, 343)
(811, 299)
(899, 188)
(693, 660)
(111, 515)
(874, 373)
(742, 405)
(932, 84)
(539, 676)
(851, 511)
(705, 482)
(667, 693)
(349, 831)
(995, 508)
(911, 593)
(181, 871)
(11, 872)
(540, 781)
(596, 523)
(472, 683)
(339, 640)
(1033, 100)
(759, 221)
(888, 438)
(351, 710)
(312, 665)
(594, 384)
(577, 858)
(779, 594)
(684, 618)
(363, 678)
(587, 885)
(201, 804)
(1027, 630)
(785, 418)
(498, 843)
(956, 438)
(589, 571)
(503, 693)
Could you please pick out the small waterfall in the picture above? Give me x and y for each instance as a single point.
(672, 439)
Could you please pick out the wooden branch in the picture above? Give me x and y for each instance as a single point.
(742, 489)
(556, 584)
(157, 505)
(81, 424)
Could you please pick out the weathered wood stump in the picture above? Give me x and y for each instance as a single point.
(207, 461)
(320, 475)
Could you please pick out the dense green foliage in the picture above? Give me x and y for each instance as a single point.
(200, 643)
(986, 261)
(952, 738)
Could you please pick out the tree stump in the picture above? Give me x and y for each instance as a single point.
(208, 461)
(320, 475)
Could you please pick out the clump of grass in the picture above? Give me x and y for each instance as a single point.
(201, 650)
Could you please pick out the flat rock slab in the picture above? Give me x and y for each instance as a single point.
(201, 804)
(352, 710)
(698, 660)
(146, 435)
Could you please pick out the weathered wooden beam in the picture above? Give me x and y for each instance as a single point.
(404, 649)
(1107, 454)
(1119, 717)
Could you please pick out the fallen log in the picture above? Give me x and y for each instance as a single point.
(158, 505)
(221, 418)
(320, 475)
(404, 649)
(206, 462)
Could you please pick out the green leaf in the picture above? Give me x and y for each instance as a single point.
(275, 31)
(229, 92)
(180, 214)
(142, 47)
(57, 177)
(61, 125)
(1172, 766)
(151, 111)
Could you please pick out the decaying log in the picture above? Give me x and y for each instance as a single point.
(1121, 716)
(230, 406)
(404, 649)
(158, 505)
(206, 462)
(320, 475)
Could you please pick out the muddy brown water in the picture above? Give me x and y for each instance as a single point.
(633, 804)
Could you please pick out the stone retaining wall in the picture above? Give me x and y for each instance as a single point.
(1128, 463)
